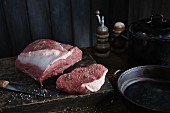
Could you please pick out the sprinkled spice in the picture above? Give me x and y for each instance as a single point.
(91, 72)
(81, 71)
(86, 77)
(68, 78)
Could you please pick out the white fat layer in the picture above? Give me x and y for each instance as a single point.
(43, 58)
(97, 84)
(59, 44)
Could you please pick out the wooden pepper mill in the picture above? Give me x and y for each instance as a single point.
(118, 43)
(102, 46)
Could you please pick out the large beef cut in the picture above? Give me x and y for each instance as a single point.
(83, 80)
(45, 58)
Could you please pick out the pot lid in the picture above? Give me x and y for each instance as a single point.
(156, 27)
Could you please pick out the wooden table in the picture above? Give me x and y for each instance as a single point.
(112, 102)
(113, 62)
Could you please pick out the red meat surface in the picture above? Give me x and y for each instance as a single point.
(45, 58)
(83, 80)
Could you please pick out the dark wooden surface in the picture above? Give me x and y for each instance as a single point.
(17, 24)
(61, 20)
(67, 21)
(4, 36)
(39, 19)
(107, 100)
(113, 62)
(18, 102)
(81, 27)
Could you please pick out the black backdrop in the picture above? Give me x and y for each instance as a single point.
(67, 21)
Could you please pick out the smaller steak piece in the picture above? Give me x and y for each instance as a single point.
(45, 58)
(83, 80)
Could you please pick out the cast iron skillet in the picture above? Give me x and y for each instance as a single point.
(146, 89)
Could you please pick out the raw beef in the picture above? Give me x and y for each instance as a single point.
(45, 58)
(83, 80)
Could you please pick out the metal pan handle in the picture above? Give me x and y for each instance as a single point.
(117, 73)
(157, 20)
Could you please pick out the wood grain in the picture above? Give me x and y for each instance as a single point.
(39, 19)
(20, 102)
(118, 11)
(67, 21)
(61, 20)
(17, 22)
(5, 42)
(165, 9)
(81, 27)
(143, 9)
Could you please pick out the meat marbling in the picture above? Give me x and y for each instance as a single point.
(83, 80)
(45, 58)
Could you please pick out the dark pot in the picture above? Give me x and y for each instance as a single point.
(149, 41)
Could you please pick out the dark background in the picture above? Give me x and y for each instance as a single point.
(66, 21)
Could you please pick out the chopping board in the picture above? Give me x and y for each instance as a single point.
(18, 102)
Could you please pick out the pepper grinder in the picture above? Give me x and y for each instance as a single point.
(118, 43)
(102, 45)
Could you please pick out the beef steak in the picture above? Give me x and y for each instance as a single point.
(83, 80)
(45, 58)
